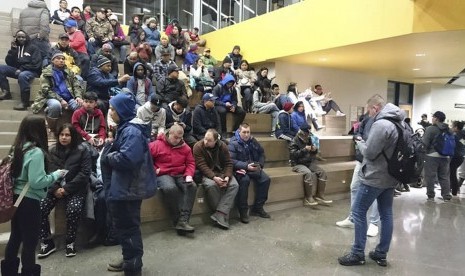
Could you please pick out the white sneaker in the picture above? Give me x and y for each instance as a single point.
(372, 230)
(347, 223)
(339, 113)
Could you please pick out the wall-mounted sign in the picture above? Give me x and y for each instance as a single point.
(457, 105)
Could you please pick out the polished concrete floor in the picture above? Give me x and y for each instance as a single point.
(428, 240)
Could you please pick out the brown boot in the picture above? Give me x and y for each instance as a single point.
(320, 194)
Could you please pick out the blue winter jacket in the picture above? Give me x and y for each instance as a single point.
(286, 125)
(152, 37)
(100, 83)
(225, 94)
(299, 119)
(244, 153)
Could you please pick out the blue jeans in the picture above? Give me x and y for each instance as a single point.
(53, 109)
(24, 78)
(126, 222)
(366, 195)
(354, 186)
(262, 185)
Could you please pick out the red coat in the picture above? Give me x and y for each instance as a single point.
(77, 41)
(171, 160)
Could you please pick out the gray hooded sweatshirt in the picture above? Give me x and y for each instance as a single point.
(34, 20)
(383, 137)
(430, 133)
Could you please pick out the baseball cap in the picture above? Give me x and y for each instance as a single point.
(209, 97)
(63, 35)
(172, 68)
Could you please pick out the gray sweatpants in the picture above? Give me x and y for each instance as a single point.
(437, 168)
(220, 199)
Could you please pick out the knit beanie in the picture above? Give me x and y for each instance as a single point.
(227, 60)
(125, 106)
(288, 106)
(102, 60)
(107, 46)
(57, 54)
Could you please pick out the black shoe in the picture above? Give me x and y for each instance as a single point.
(260, 213)
(380, 260)
(244, 215)
(20, 107)
(5, 96)
(70, 250)
(47, 247)
(351, 259)
(220, 220)
(184, 226)
(110, 242)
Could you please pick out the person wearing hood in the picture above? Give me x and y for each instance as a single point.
(140, 85)
(286, 127)
(205, 117)
(175, 166)
(61, 14)
(227, 102)
(24, 64)
(128, 163)
(77, 41)
(375, 181)
(220, 72)
(153, 114)
(263, 103)
(151, 30)
(216, 168)
(106, 51)
(248, 159)
(89, 120)
(170, 87)
(236, 57)
(303, 150)
(100, 80)
(436, 165)
(178, 114)
(59, 90)
(34, 21)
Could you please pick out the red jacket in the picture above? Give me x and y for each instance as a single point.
(95, 122)
(177, 160)
(77, 41)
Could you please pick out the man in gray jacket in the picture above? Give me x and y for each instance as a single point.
(375, 182)
(436, 165)
(34, 20)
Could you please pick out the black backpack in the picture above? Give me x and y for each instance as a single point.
(406, 161)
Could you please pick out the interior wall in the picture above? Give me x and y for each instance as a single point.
(347, 88)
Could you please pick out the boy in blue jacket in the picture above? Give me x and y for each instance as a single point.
(286, 127)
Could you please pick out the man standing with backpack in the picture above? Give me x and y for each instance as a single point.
(375, 181)
(439, 143)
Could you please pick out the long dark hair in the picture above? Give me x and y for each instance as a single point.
(31, 130)
(76, 139)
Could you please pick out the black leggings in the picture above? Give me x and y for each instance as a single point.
(25, 227)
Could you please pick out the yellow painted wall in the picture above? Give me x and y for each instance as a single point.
(439, 15)
(314, 25)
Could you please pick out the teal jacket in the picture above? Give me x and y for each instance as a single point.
(34, 172)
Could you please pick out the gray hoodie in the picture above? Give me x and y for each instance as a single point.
(429, 136)
(383, 137)
(157, 119)
(34, 20)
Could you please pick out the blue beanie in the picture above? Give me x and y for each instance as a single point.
(125, 105)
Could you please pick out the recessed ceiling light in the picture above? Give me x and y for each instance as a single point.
(420, 54)
(429, 81)
(416, 69)
(323, 59)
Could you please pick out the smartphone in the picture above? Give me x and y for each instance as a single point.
(255, 164)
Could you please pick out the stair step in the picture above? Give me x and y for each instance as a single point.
(259, 123)
(4, 149)
(7, 138)
(13, 115)
(9, 126)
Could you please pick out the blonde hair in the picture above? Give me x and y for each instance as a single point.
(376, 100)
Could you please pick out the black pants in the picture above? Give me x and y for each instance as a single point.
(262, 184)
(126, 222)
(331, 105)
(455, 162)
(74, 207)
(25, 227)
(239, 115)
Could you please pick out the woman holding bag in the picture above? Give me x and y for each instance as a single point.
(29, 166)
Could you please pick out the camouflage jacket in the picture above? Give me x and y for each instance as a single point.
(46, 88)
(99, 29)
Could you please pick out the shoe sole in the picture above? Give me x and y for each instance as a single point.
(346, 226)
(353, 264)
(222, 226)
(70, 255)
(41, 256)
(114, 269)
(184, 230)
(380, 262)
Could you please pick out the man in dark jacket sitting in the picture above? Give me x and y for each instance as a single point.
(170, 88)
(23, 63)
(248, 159)
(177, 113)
(205, 117)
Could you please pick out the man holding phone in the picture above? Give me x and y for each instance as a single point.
(214, 163)
(248, 159)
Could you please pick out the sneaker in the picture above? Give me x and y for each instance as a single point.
(431, 199)
(351, 259)
(116, 265)
(339, 113)
(272, 134)
(220, 220)
(310, 202)
(70, 250)
(347, 223)
(184, 226)
(259, 213)
(47, 247)
(373, 230)
(380, 260)
(447, 198)
(323, 201)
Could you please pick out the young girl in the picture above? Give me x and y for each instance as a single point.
(29, 167)
(134, 28)
(68, 153)
(245, 81)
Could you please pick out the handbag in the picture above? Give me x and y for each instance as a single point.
(7, 213)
